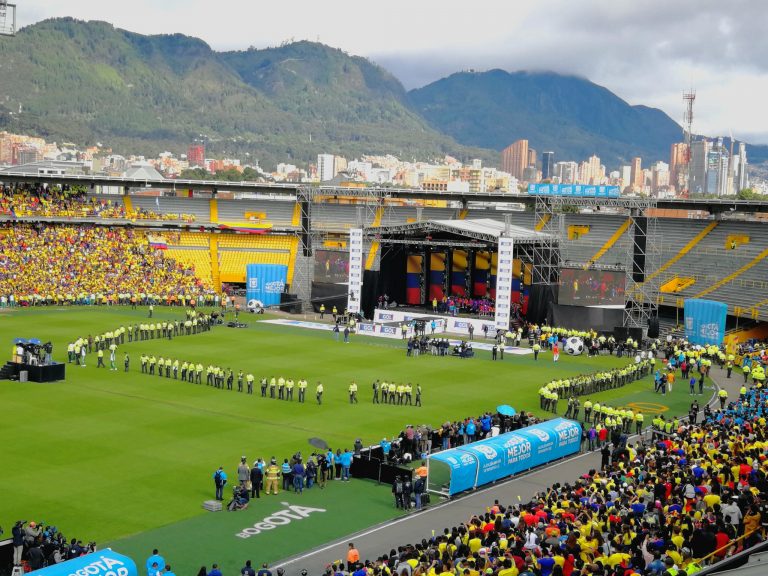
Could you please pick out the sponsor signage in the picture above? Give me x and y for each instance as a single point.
(575, 190)
(495, 458)
(504, 283)
(355, 270)
(277, 519)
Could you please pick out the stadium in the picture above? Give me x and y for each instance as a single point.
(159, 370)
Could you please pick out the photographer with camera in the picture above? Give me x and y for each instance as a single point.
(18, 541)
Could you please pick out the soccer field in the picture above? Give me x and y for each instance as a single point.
(106, 455)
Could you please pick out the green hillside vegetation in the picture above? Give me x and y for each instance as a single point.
(571, 116)
(91, 82)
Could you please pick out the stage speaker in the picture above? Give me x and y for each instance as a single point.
(306, 239)
(620, 333)
(635, 333)
(638, 255)
(290, 303)
(653, 328)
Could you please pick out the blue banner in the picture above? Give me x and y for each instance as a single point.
(102, 563)
(265, 282)
(705, 322)
(579, 190)
(492, 459)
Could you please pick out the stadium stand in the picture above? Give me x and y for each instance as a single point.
(171, 208)
(670, 505)
(278, 212)
(65, 263)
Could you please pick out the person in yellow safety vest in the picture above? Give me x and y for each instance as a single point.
(353, 392)
(319, 392)
(722, 396)
(272, 386)
(249, 382)
(272, 474)
(322, 311)
(638, 422)
(280, 387)
(302, 390)
(742, 392)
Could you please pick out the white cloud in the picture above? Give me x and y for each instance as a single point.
(647, 52)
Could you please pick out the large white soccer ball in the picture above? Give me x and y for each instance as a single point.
(574, 346)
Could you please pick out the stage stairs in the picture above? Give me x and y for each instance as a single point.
(6, 371)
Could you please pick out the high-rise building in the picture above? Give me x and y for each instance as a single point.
(636, 175)
(565, 172)
(698, 172)
(741, 177)
(325, 167)
(659, 177)
(547, 165)
(678, 165)
(626, 177)
(531, 158)
(514, 158)
(196, 155)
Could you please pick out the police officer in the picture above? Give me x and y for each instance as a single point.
(302, 390)
(319, 392)
(376, 392)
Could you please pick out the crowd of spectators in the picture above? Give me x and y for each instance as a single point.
(36, 545)
(666, 507)
(42, 262)
(73, 202)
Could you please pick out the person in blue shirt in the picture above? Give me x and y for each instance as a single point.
(215, 571)
(386, 447)
(286, 471)
(152, 571)
(471, 429)
(346, 463)
(298, 477)
(168, 571)
(219, 480)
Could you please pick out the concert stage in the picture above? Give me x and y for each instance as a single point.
(49, 373)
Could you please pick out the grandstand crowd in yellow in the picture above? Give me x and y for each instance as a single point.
(687, 499)
(48, 263)
(66, 202)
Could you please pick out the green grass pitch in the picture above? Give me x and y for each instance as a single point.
(109, 455)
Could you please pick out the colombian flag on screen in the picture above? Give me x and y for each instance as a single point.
(480, 277)
(437, 276)
(413, 279)
(458, 273)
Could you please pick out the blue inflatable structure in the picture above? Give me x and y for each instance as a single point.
(467, 467)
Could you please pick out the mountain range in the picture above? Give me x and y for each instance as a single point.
(89, 82)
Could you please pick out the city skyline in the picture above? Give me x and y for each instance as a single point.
(651, 59)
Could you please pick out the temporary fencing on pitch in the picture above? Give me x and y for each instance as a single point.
(479, 463)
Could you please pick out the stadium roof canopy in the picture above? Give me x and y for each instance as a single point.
(481, 231)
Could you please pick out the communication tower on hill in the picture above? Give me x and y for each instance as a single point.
(7, 19)
(689, 98)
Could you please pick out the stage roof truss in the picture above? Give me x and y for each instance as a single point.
(483, 231)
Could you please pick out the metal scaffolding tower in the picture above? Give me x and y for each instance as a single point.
(546, 255)
(642, 250)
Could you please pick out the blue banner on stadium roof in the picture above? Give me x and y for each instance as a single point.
(472, 465)
(575, 190)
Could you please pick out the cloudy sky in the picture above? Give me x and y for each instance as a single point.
(647, 52)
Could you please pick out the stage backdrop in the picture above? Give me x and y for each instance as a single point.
(705, 321)
(265, 282)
